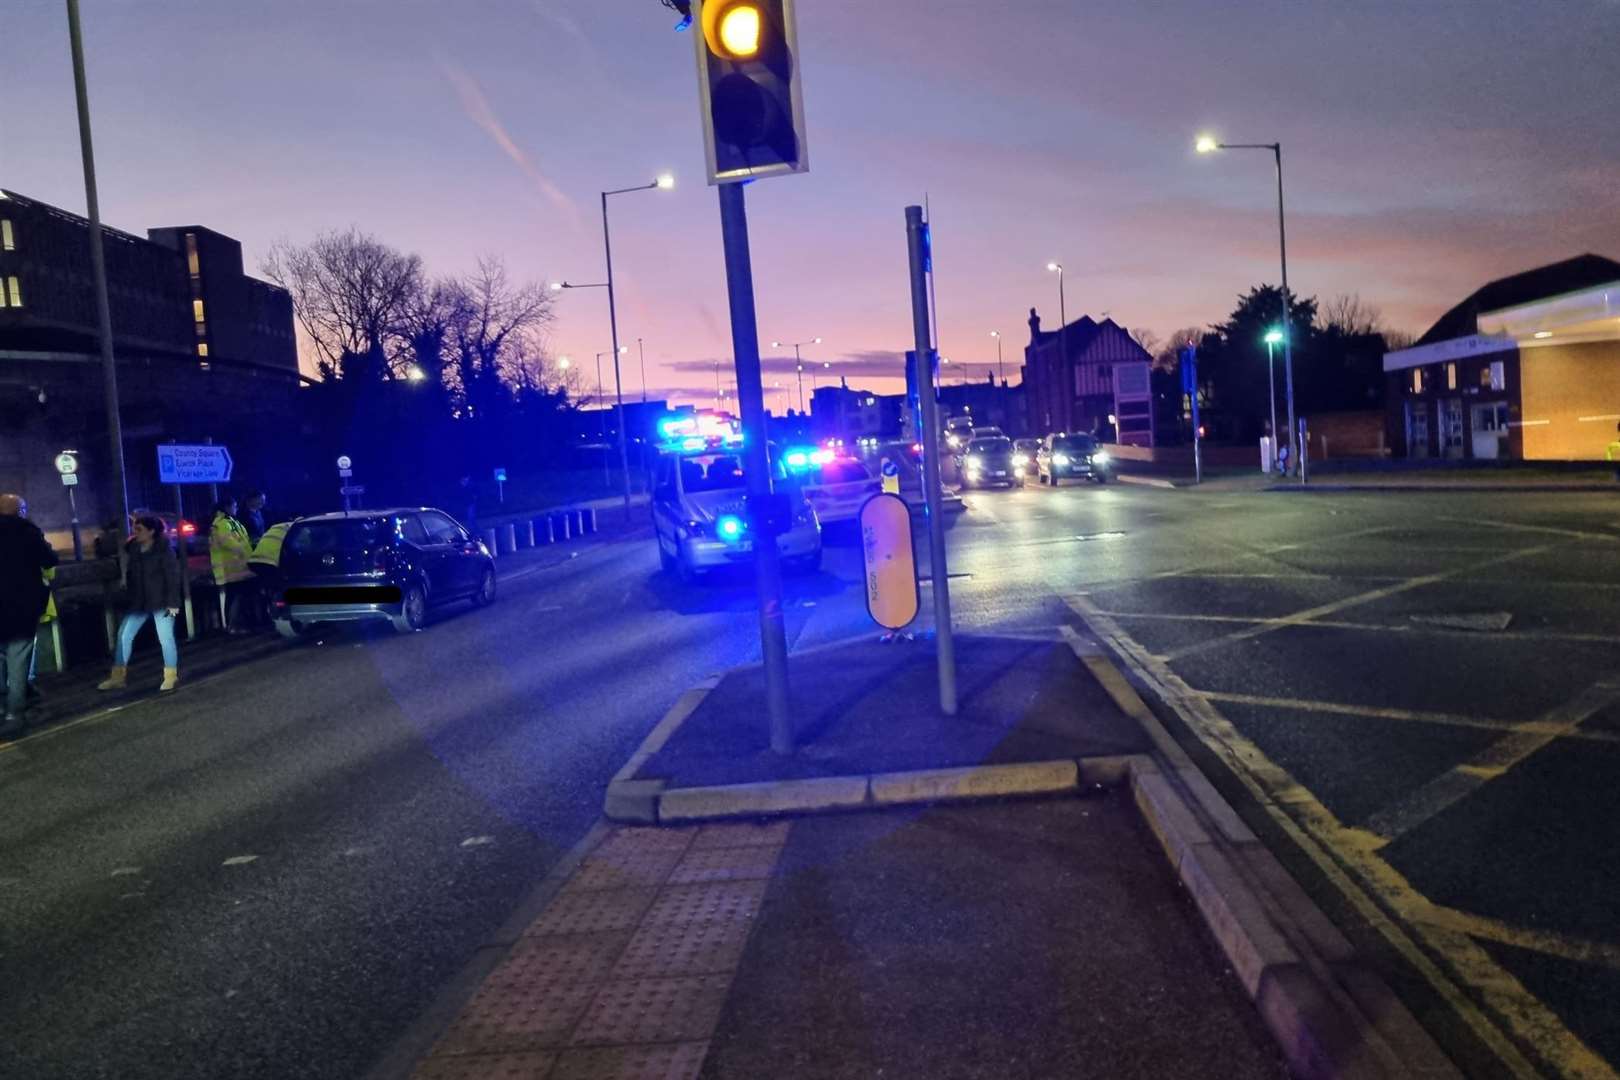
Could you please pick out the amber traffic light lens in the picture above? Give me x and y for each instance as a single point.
(739, 30)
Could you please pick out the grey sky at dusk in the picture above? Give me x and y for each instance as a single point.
(1428, 148)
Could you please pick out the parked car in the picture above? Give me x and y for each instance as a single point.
(378, 564)
(1072, 457)
(987, 461)
(700, 521)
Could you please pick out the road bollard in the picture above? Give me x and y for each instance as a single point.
(508, 538)
(567, 525)
(527, 535)
(551, 529)
(591, 510)
(489, 541)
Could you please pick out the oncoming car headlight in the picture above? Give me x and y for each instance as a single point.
(974, 461)
(1020, 460)
(1100, 457)
(1060, 459)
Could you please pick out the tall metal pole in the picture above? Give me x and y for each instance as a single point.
(1063, 333)
(618, 383)
(916, 244)
(643, 353)
(999, 365)
(1271, 392)
(98, 266)
(601, 433)
(1288, 332)
(798, 362)
(756, 463)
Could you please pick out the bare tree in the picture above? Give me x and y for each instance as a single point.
(492, 331)
(1169, 355)
(351, 293)
(1349, 315)
(1147, 339)
(1398, 339)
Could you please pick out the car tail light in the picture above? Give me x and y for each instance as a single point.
(188, 529)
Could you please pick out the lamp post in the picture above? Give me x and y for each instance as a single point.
(798, 363)
(1207, 144)
(662, 183)
(601, 425)
(1272, 337)
(642, 352)
(1000, 367)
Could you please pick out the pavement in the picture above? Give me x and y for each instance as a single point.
(1404, 697)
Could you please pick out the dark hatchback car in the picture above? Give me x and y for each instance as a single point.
(1072, 457)
(378, 564)
(988, 460)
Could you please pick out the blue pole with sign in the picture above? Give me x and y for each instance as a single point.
(1189, 385)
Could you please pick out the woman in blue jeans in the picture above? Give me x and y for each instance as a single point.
(152, 582)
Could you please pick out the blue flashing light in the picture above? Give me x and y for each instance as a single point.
(729, 527)
(797, 459)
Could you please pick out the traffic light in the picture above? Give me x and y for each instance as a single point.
(748, 79)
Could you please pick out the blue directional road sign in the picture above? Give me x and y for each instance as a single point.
(207, 464)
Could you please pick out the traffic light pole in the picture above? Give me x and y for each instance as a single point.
(916, 230)
(756, 463)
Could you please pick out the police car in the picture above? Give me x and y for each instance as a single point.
(700, 519)
(836, 485)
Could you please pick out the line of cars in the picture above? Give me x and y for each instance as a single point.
(986, 457)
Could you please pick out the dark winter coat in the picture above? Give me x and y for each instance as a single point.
(24, 557)
(152, 579)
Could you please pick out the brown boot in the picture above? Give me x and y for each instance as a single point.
(115, 681)
(171, 678)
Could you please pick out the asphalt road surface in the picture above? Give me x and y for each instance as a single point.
(272, 872)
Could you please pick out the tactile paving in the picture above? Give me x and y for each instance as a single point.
(527, 1066)
(681, 1009)
(537, 962)
(591, 912)
(724, 864)
(697, 903)
(506, 1018)
(674, 1061)
(623, 870)
(742, 834)
(630, 840)
(693, 948)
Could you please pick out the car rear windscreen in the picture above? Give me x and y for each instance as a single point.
(320, 537)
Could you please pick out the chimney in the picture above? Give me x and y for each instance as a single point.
(1034, 326)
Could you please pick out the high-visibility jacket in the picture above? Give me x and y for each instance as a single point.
(1613, 452)
(267, 552)
(50, 597)
(228, 550)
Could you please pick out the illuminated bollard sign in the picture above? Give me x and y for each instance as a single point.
(889, 560)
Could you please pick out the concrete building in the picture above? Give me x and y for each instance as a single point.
(838, 411)
(1094, 379)
(1527, 367)
(203, 351)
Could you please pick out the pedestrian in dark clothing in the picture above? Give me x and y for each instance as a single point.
(152, 582)
(469, 495)
(253, 516)
(25, 555)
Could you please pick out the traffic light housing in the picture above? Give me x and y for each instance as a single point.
(749, 86)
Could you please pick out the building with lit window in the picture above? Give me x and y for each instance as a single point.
(1527, 367)
(203, 351)
(1094, 379)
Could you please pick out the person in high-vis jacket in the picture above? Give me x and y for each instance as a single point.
(265, 562)
(1612, 454)
(228, 551)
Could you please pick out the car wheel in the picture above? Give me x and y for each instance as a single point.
(290, 629)
(1102, 478)
(485, 595)
(412, 610)
(689, 574)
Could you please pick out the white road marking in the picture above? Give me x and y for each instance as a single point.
(477, 841)
(239, 860)
(354, 851)
(125, 871)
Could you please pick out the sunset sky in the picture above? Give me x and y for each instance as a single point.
(1428, 147)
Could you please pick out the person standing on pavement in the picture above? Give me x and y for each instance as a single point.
(228, 551)
(25, 555)
(253, 516)
(152, 584)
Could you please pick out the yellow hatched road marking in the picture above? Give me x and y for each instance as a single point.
(1282, 621)
(1348, 858)
(1487, 763)
(1599, 953)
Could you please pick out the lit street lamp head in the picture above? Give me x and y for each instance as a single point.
(665, 181)
(1273, 336)
(563, 362)
(1206, 144)
(1055, 267)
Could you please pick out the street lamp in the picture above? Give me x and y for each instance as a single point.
(1207, 144)
(415, 374)
(663, 182)
(642, 352)
(1271, 339)
(1000, 367)
(601, 424)
(798, 363)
